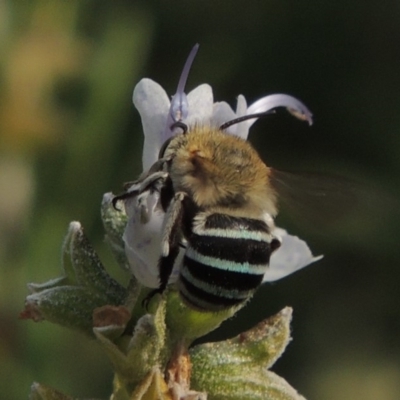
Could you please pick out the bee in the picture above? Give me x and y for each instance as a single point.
(219, 205)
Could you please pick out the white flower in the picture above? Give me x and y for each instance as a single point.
(294, 254)
(142, 235)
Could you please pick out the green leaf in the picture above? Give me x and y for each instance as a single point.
(114, 222)
(133, 359)
(153, 387)
(69, 306)
(88, 269)
(42, 392)
(39, 287)
(250, 384)
(236, 369)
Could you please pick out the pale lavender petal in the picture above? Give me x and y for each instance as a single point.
(143, 240)
(241, 129)
(221, 113)
(293, 255)
(179, 104)
(200, 102)
(267, 103)
(152, 102)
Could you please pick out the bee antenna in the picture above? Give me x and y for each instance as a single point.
(179, 124)
(244, 118)
(266, 105)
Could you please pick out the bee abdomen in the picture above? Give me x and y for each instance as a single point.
(225, 262)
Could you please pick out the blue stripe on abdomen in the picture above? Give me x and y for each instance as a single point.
(219, 277)
(202, 300)
(237, 250)
(225, 261)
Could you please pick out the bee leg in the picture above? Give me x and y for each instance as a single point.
(153, 182)
(171, 239)
(166, 194)
(159, 165)
(156, 167)
(170, 244)
(171, 232)
(123, 196)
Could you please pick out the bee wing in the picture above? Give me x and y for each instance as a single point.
(324, 201)
(316, 198)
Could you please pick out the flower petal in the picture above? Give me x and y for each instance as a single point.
(222, 112)
(267, 103)
(142, 237)
(142, 241)
(241, 129)
(152, 102)
(293, 255)
(200, 102)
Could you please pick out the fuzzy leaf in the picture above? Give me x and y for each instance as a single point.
(250, 384)
(114, 222)
(143, 351)
(67, 261)
(153, 387)
(124, 372)
(237, 368)
(42, 392)
(147, 346)
(111, 321)
(69, 306)
(89, 270)
(39, 287)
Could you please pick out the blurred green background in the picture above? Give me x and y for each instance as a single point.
(69, 133)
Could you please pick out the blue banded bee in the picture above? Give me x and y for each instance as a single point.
(219, 204)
